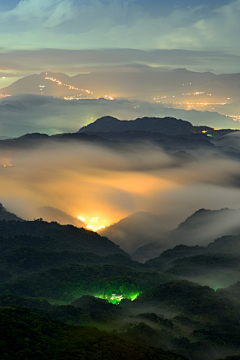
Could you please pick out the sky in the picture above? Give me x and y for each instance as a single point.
(39, 34)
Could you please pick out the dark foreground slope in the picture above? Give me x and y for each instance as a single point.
(26, 336)
(54, 237)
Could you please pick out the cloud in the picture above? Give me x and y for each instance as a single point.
(21, 114)
(49, 13)
(110, 182)
(118, 24)
(25, 62)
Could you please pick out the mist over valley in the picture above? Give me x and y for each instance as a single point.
(119, 180)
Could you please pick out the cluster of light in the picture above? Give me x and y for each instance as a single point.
(116, 299)
(107, 97)
(192, 103)
(199, 93)
(7, 165)
(94, 223)
(70, 87)
(234, 117)
(4, 95)
(95, 227)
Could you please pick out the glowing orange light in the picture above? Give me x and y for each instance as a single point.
(95, 223)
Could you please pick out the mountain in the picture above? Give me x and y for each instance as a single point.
(39, 337)
(27, 113)
(49, 214)
(37, 84)
(167, 126)
(134, 81)
(52, 236)
(136, 230)
(200, 228)
(162, 130)
(216, 265)
(5, 215)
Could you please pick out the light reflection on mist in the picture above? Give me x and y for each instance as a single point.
(90, 180)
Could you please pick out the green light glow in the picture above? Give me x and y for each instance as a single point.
(117, 298)
(210, 135)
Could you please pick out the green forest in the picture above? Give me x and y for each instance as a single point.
(68, 293)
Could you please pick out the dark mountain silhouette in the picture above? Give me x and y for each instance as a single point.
(167, 125)
(5, 215)
(137, 229)
(169, 132)
(49, 213)
(188, 261)
(177, 141)
(25, 260)
(200, 228)
(37, 139)
(42, 235)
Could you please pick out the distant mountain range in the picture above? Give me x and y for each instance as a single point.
(143, 81)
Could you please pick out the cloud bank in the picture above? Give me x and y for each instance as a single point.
(97, 24)
(22, 114)
(111, 182)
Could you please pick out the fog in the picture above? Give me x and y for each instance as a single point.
(21, 114)
(105, 183)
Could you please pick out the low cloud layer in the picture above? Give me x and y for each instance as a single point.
(23, 114)
(109, 183)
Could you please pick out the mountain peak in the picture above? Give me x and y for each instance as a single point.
(5, 215)
(166, 125)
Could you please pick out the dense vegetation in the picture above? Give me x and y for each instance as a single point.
(26, 336)
(60, 286)
(53, 236)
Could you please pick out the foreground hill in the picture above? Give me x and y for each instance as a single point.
(156, 307)
(40, 338)
(53, 236)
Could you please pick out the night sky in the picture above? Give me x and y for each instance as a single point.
(39, 34)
